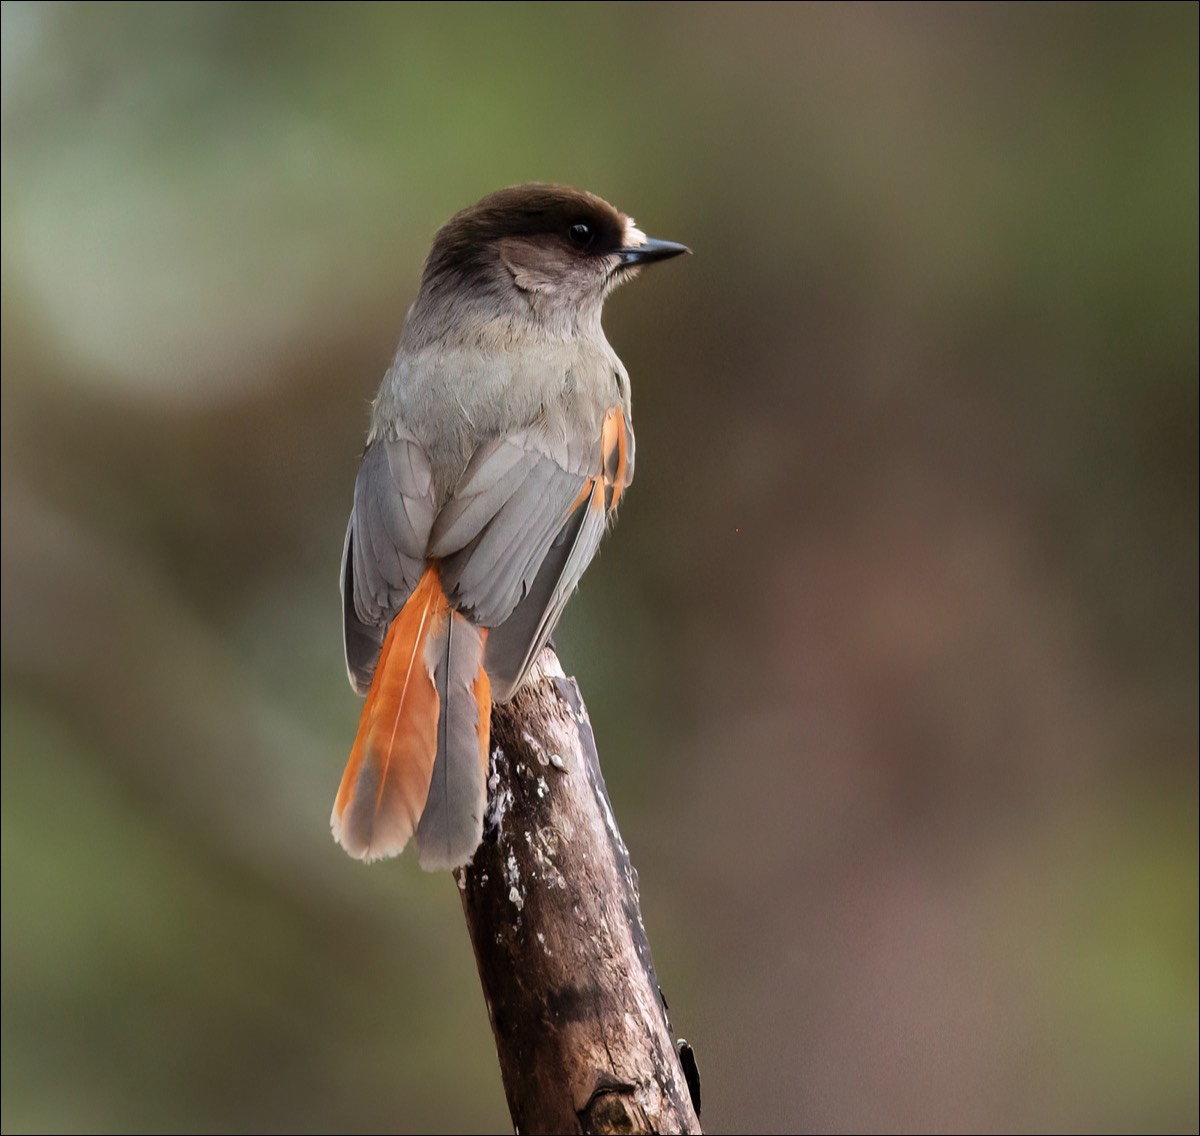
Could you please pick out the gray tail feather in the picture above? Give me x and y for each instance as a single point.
(451, 826)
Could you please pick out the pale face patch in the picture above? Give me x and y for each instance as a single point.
(633, 236)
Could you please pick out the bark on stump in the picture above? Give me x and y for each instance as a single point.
(551, 902)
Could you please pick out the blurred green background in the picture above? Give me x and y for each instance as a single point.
(892, 659)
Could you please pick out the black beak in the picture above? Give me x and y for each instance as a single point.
(649, 252)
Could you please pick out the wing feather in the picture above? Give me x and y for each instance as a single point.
(511, 541)
(384, 555)
(512, 647)
(493, 534)
(519, 532)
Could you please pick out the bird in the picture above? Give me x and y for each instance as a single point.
(500, 445)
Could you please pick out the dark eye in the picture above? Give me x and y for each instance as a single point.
(581, 235)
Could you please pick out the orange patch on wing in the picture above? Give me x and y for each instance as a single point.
(584, 494)
(614, 448)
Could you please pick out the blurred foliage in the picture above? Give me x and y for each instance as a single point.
(892, 659)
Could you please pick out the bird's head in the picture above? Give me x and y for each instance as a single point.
(548, 253)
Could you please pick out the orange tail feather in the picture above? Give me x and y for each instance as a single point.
(383, 790)
(482, 689)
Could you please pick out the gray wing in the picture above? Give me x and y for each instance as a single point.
(522, 524)
(513, 539)
(512, 647)
(384, 554)
(504, 514)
